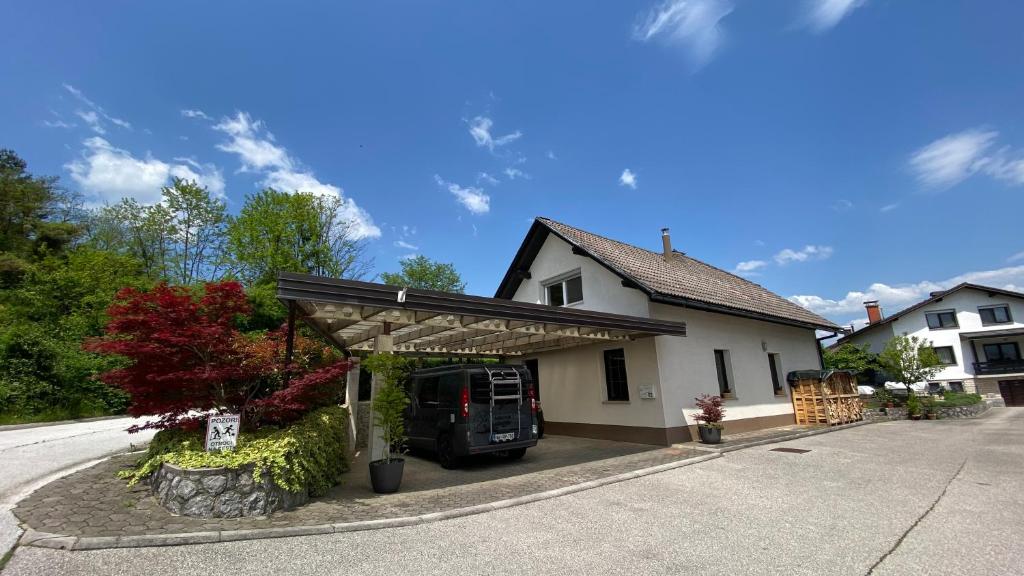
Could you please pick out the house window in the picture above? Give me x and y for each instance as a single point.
(1001, 352)
(773, 365)
(722, 367)
(942, 319)
(615, 375)
(956, 386)
(566, 291)
(945, 354)
(995, 314)
(934, 388)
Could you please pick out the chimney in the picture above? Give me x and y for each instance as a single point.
(666, 242)
(874, 312)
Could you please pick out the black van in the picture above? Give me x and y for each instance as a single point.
(467, 409)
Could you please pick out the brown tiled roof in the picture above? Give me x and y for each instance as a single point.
(685, 278)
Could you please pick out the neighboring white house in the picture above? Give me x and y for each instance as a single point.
(976, 331)
(741, 339)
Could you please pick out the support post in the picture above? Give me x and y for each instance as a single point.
(383, 344)
(289, 343)
(352, 403)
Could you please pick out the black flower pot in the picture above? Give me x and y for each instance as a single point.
(710, 434)
(386, 477)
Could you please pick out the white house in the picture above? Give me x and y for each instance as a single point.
(976, 331)
(741, 339)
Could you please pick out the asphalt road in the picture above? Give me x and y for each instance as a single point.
(32, 456)
(943, 497)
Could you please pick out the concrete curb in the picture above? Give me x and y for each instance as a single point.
(62, 542)
(786, 438)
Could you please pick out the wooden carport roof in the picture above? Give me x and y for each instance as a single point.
(352, 313)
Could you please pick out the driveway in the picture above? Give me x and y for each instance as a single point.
(32, 456)
(940, 497)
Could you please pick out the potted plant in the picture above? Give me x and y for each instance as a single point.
(913, 405)
(709, 419)
(884, 397)
(931, 408)
(389, 416)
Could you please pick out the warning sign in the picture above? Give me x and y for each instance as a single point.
(222, 432)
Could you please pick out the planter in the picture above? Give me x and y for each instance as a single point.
(932, 416)
(890, 405)
(386, 477)
(710, 434)
(221, 492)
(915, 416)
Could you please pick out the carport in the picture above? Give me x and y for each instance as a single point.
(365, 316)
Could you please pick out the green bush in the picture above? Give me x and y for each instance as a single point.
(951, 399)
(311, 452)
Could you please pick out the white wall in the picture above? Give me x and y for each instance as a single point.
(573, 387)
(687, 365)
(602, 290)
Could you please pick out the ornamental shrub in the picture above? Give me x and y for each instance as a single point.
(309, 453)
(186, 356)
(711, 413)
(950, 399)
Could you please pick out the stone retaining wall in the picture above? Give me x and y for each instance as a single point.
(951, 413)
(220, 492)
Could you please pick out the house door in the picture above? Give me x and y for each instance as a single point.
(534, 369)
(1012, 392)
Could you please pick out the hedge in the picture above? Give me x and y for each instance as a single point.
(309, 453)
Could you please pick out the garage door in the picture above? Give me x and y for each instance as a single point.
(1012, 392)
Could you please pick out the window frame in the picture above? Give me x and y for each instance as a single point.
(615, 355)
(775, 367)
(938, 314)
(1016, 348)
(562, 280)
(726, 387)
(952, 353)
(994, 322)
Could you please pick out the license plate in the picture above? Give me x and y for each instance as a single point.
(505, 437)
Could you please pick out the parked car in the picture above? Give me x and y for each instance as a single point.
(468, 409)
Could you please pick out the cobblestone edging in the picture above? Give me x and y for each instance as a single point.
(220, 492)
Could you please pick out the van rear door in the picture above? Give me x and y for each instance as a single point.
(497, 398)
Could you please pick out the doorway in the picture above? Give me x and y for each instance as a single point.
(1012, 392)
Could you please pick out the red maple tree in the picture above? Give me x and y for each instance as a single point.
(187, 358)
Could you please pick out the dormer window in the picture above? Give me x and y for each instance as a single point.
(567, 290)
(999, 314)
(942, 319)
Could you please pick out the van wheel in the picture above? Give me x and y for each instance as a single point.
(446, 453)
(515, 453)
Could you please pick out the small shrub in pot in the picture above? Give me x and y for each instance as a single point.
(389, 415)
(709, 419)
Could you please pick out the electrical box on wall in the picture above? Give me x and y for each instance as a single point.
(647, 391)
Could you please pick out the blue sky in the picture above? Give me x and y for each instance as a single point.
(831, 150)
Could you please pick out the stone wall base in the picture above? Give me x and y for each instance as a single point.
(220, 492)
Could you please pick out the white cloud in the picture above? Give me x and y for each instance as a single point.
(889, 207)
(895, 298)
(194, 113)
(472, 198)
(96, 114)
(258, 152)
(513, 173)
(480, 130)
(485, 177)
(749, 266)
(694, 24)
(57, 124)
(804, 254)
(1016, 257)
(951, 159)
(405, 245)
(628, 178)
(842, 205)
(823, 15)
(110, 174)
(551, 155)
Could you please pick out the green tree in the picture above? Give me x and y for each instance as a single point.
(143, 233)
(421, 272)
(849, 356)
(909, 359)
(197, 231)
(282, 232)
